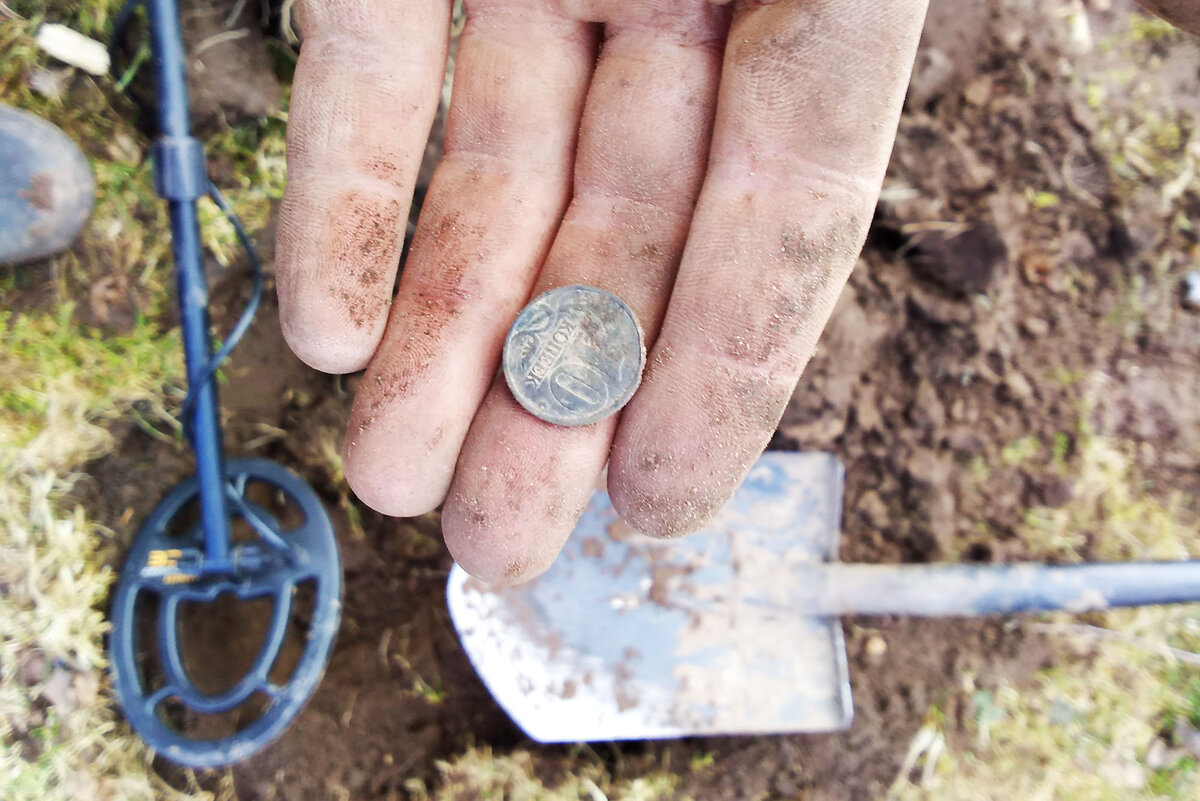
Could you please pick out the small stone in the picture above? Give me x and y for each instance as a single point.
(866, 411)
(937, 308)
(931, 73)
(50, 83)
(1134, 776)
(978, 91)
(926, 467)
(874, 510)
(57, 690)
(1158, 756)
(1038, 268)
(71, 47)
(876, 647)
(927, 408)
(1187, 737)
(784, 785)
(1018, 386)
(32, 667)
(122, 147)
(964, 264)
(965, 441)
(1191, 291)
(1053, 492)
(1035, 327)
(1076, 247)
(86, 687)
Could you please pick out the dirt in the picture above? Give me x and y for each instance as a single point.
(975, 318)
(235, 58)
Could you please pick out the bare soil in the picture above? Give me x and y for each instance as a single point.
(978, 316)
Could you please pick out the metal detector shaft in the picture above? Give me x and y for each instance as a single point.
(181, 178)
(969, 590)
(181, 564)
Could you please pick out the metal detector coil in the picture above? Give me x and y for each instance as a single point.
(273, 567)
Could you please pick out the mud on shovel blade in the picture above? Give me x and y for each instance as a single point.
(628, 637)
(734, 630)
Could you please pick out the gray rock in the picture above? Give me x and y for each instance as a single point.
(46, 187)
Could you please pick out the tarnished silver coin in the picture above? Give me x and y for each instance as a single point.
(574, 355)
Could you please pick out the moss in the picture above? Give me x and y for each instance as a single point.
(1020, 451)
(1146, 28)
(1111, 511)
(1084, 729)
(52, 369)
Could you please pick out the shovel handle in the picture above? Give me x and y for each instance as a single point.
(942, 590)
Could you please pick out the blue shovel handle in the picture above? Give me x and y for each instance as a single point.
(948, 590)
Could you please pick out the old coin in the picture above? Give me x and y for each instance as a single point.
(574, 355)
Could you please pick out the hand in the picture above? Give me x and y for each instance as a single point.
(715, 166)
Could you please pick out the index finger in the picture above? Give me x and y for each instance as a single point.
(363, 100)
(1183, 13)
(810, 97)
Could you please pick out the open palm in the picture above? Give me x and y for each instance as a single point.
(715, 166)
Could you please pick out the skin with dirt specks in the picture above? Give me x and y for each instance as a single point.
(715, 165)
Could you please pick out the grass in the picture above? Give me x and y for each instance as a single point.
(1153, 150)
(61, 381)
(480, 775)
(1096, 726)
(1086, 729)
(63, 739)
(1111, 719)
(1120, 519)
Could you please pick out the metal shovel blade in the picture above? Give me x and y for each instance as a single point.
(628, 637)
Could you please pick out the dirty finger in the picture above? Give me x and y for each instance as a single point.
(363, 100)
(486, 224)
(809, 103)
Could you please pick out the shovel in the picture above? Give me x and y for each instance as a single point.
(735, 629)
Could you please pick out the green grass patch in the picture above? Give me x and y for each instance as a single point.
(1089, 729)
(59, 381)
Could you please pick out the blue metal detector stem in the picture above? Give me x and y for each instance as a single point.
(182, 563)
(181, 178)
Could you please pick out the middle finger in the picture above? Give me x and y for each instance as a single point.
(520, 482)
